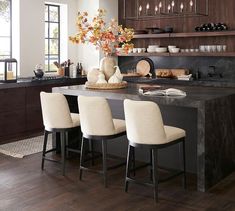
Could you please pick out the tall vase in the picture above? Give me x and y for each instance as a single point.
(107, 66)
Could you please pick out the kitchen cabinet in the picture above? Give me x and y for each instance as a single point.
(20, 107)
(12, 111)
(130, 9)
(183, 35)
(33, 107)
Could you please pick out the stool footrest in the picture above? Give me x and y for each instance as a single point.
(140, 182)
(92, 170)
(52, 160)
(116, 166)
(50, 150)
(73, 150)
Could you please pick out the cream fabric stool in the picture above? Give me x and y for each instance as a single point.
(146, 129)
(97, 124)
(57, 118)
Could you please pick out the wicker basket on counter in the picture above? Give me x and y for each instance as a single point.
(106, 86)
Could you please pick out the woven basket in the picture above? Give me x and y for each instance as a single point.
(107, 86)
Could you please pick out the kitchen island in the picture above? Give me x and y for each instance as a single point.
(206, 113)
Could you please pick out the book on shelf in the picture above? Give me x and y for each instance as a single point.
(166, 92)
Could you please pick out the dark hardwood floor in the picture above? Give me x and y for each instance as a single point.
(23, 186)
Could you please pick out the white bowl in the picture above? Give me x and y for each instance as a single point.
(149, 50)
(135, 50)
(153, 47)
(175, 50)
(139, 50)
(161, 50)
(171, 46)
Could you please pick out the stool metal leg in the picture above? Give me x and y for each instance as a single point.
(81, 158)
(44, 148)
(133, 159)
(127, 167)
(184, 165)
(62, 135)
(67, 143)
(91, 149)
(151, 164)
(104, 152)
(155, 173)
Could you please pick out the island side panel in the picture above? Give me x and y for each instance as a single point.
(220, 139)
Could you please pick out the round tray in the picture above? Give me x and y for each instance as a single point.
(121, 85)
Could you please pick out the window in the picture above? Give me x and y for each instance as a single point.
(5, 32)
(52, 36)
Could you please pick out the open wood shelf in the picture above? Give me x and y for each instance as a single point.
(160, 35)
(222, 54)
(186, 34)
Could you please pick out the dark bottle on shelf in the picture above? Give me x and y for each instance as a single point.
(82, 70)
(78, 70)
(197, 29)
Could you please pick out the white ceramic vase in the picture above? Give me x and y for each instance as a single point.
(107, 66)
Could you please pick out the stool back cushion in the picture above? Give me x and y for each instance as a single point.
(144, 123)
(55, 111)
(95, 116)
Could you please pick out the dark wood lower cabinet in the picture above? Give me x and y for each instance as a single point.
(20, 110)
(12, 122)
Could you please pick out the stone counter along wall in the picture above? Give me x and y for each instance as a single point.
(223, 65)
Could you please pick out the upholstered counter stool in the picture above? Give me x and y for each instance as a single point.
(57, 118)
(146, 129)
(97, 124)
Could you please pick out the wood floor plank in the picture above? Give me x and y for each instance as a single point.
(23, 186)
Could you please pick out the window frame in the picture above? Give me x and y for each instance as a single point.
(48, 38)
(10, 19)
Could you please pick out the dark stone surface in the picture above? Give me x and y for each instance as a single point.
(215, 123)
(27, 82)
(196, 96)
(220, 139)
(224, 66)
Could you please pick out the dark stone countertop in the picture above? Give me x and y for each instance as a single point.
(207, 82)
(27, 82)
(196, 96)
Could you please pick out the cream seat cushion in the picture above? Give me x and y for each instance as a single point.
(96, 117)
(145, 125)
(119, 125)
(56, 113)
(75, 119)
(173, 133)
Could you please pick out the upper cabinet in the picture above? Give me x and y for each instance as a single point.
(130, 9)
(184, 17)
(142, 9)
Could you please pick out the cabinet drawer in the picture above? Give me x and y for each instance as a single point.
(33, 95)
(12, 99)
(34, 118)
(12, 122)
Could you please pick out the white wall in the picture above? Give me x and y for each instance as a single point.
(31, 32)
(87, 54)
(31, 36)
